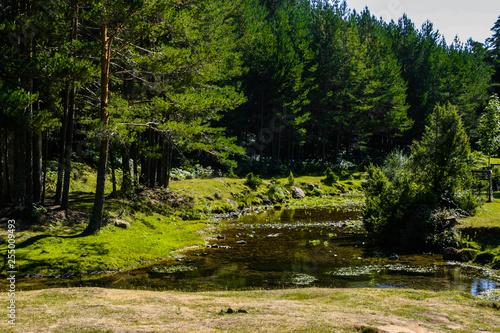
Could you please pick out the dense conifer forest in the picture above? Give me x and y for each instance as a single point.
(263, 86)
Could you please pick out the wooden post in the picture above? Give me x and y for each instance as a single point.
(490, 186)
(486, 174)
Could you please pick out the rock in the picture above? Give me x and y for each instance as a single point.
(241, 242)
(221, 236)
(242, 311)
(467, 255)
(122, 224)
(310, 186)
(230, 310)
(484, 258)
(265, 200)
(450, 253)
(298, 193)
(394, 256)
(217, 196)
(450, 222)
(277, 207)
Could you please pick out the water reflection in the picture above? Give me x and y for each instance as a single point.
(294, 248)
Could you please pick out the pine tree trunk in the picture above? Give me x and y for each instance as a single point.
(113, 166)
(69, 149)
(134, 159)
(98, 208)
(19, 180)
(62, 151)
(8, 166)
(70, 120)
(28, 175)
(37, 168)
(44, 167)
(168, 167)
(2, 168)
(126, 180)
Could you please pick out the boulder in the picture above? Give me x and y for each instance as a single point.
(298, 193)
(217, 196)
(122, 224)
(450, 253)
(463, 255)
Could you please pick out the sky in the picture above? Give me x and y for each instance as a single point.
(465, 18)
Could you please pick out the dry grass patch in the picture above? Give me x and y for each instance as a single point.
(296, 310)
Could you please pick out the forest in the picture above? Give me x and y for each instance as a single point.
(245, 166)
(262, 86)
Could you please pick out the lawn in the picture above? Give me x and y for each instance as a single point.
(292, 310)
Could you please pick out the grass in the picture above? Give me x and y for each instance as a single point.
(291, 310)
(150, 237)
(488, 215)
(482, 232)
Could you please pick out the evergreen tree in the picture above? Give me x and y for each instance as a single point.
(442, 155)
(493, 46)
(489, 128)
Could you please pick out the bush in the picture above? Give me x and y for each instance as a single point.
(331, 177)
(253, 181)
(291, 179)
(412, 202)
(275, 191)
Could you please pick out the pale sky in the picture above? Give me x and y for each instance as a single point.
(465, 18)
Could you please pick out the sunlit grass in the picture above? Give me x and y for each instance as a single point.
(290, 310)
(488, 215)
(149, 238)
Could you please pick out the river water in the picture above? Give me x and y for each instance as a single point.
(295, 248)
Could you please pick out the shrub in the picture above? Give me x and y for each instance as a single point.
(291, 179)
(253, 181)
(331, 177)
(275, 191)
(411, 201)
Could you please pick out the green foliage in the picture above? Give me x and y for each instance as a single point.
(441, 160)
(253, 181)
(412, 202)
(275, 191)
(331, 177)
(291, 179)
(489, 127)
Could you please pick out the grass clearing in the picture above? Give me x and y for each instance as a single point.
(149, 238)
(291, 310)
(488, 215)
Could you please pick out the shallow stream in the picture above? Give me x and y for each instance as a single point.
(293, 248)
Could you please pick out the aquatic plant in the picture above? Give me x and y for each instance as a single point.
(173, 269)
(298, 278)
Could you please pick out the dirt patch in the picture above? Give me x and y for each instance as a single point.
(163, 197)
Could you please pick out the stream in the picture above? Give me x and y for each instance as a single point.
(293, 248)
